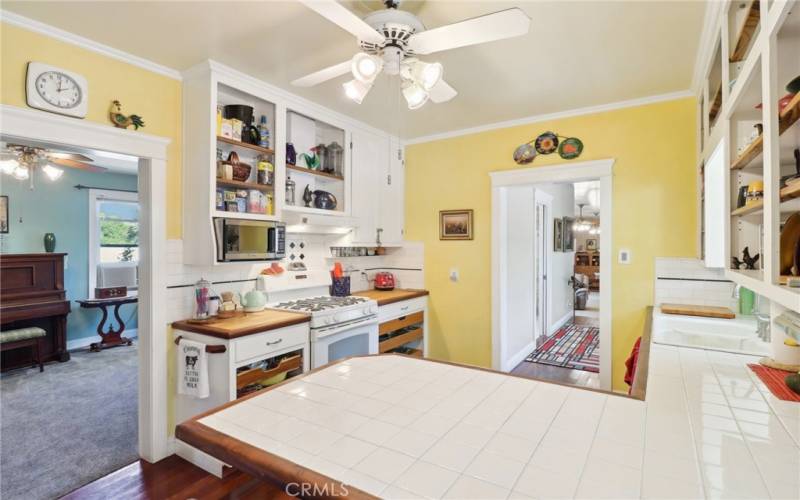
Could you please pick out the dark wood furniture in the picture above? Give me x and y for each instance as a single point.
(111, 337)
(32, 339)
(588, 263)
(32, 294)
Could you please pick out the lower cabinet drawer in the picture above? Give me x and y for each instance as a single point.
(403, 308)
(254, 346)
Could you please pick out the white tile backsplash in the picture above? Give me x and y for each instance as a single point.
(688, 281)
(405, 262)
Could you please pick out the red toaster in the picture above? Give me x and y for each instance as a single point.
(384, 281)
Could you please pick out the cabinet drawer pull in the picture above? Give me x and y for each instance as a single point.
(404, 308)
(276, 342)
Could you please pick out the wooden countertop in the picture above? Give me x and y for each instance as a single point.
(250, 323)
(391, 296)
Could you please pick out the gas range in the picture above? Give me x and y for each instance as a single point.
(328, 311)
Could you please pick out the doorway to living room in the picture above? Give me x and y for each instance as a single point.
(551, 317)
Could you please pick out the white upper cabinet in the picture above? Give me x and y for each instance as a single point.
(391, 203)
(370, 163)
(716, 208)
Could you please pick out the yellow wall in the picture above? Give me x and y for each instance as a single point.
(155, 97)
(654, 215)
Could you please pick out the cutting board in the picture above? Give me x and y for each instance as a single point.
(384, 297)
(248, 324)
(704, 311)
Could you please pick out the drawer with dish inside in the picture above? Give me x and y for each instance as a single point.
(267, 372)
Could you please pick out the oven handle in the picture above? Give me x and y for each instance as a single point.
(332, 330)
(276, 342)
(211, 349)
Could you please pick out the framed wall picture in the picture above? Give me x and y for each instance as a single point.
(455, 224)
(4, 220)
(591, 245)
(558, 235)
(569, 235)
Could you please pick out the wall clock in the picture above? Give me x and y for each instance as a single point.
(56, 90)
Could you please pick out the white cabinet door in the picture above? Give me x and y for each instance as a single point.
(715, 208)
(391, 204)
(370, 157)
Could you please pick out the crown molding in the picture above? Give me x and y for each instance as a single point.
(85, 43)
(589, 110)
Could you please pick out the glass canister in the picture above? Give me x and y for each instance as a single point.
(202, 298)
(335, 160)
(290, 190)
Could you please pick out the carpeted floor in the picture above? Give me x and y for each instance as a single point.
(72, 424)
(573, 346)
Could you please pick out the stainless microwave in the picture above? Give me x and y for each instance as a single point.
(239, 239)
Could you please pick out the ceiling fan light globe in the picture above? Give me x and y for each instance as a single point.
(356, 90)
(53, 173)
(8, 166)
(366, 67)
(415, 95)
(428, 74)
(21, 172)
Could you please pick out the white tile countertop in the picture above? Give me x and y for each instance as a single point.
(400, 427)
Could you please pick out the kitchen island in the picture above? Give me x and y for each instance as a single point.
(393, 426)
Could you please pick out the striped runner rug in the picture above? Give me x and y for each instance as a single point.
(573, 346)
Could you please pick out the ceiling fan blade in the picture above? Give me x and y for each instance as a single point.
(336, 13)
(323, 75)
(63, 162)
(68, 156)
(504, 24)
(442, 92)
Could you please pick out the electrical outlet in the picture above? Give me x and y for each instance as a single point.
(624, 256)
(454, 274)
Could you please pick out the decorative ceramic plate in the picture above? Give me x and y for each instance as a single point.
(570, 148)
(790, 237)
(546, 143)
(524, 154)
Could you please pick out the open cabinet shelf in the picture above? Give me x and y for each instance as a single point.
(787, 193)
(786, 119)
(318, 173)
(244, 145)
(746, 31)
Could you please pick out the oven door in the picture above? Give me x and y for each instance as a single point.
(353, 339)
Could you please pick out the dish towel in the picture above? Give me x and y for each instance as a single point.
(192, 369)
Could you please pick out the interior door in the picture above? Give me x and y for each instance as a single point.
(541, 265)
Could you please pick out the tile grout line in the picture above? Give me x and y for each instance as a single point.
(695, 452)
(738, 427)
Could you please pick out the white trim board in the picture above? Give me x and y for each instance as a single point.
(558, 324)
(589, 110)
(72, 345)
(85, 43)
(24, 125)
(573, 172)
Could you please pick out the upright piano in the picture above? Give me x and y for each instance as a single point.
(32, 294)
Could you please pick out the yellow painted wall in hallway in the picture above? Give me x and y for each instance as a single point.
(155, 97)
(654, 215)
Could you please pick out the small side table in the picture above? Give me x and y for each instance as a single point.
(111, 337)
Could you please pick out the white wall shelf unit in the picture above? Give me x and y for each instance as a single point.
(758, 121)
(361, 207)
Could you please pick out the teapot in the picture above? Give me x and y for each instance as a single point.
(254, 301)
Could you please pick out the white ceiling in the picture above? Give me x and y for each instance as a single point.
(577, 54)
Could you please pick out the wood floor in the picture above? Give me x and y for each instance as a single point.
(175, 478)
(579, 378)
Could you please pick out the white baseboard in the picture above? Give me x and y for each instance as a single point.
(561, 322)
(518, 357)
(86, 341)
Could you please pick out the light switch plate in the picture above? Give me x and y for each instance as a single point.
(454, 274)
(624, 256)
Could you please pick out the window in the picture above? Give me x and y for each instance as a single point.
(114, 238)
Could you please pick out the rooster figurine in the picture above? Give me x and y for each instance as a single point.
(121, 121)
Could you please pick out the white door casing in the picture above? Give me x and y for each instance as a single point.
(543, 207)
(502, 182)
(30, 125)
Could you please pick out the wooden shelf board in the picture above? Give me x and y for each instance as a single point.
(788, 193)
(243, 215)
(399, 340)
(245, 185)
(746, 31)
(318, 173)
(787, 118)
(716, 105)
(240, 144)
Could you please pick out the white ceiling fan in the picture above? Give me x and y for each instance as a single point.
(391, 40)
